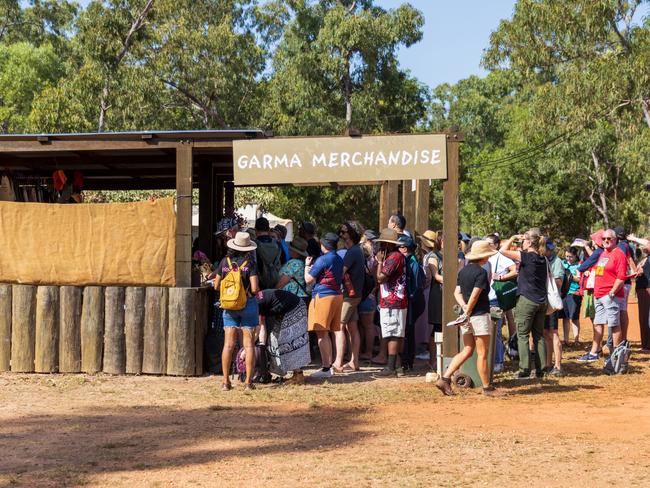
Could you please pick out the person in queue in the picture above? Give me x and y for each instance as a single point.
(326, 275)
(368, 306)
(551, 323)
(643, 291)
(610, 273)
(530, 310)
(239, 257)
(393, 300)
(432, 264)
(292, 273)
(472, 294)
(354, 266)
(572, 303)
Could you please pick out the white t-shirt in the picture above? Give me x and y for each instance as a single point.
(499, 265)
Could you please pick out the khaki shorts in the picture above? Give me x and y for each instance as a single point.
(349, 310)
(478, 325)
(325, 313)
(393, 322)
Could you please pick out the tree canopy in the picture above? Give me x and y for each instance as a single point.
(557, 133)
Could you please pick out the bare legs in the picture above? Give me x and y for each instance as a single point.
(367, 327)
(228, 348)
(325, 347)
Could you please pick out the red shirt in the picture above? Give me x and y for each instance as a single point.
(392, 293)
(611, 265)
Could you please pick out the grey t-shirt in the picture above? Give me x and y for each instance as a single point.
(354, 260)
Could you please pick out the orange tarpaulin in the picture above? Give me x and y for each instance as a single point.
(88, 244)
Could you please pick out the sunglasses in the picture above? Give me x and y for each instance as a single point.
(343, 231)
(608, 238)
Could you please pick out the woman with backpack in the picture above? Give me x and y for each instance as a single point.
(236, 280)
(432, 264)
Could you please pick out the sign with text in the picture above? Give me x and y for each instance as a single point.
(308, 160)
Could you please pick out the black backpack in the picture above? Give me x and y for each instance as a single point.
(268, 263)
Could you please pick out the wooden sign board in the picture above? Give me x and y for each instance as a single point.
(327, 160)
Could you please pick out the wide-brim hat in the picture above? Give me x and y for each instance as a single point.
(225, 224)
(242, 242)
(299, 246)
(429, 238)
(388, 235)
(480, 249)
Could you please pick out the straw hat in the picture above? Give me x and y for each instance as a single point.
(480, 249)
(299, 246)
(241, 242)
(388, 235)
(429, 238)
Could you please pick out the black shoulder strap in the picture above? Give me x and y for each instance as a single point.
(300, 285)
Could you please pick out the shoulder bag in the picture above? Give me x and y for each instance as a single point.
(552, 293)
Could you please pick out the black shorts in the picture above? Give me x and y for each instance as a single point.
(436, 328)
(572, 305)
(550, 323)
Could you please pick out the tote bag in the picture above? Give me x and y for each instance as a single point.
(506, 291)
(552, 293)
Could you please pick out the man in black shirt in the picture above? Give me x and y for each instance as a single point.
(472, 294)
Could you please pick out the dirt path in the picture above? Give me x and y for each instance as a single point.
(586, 429)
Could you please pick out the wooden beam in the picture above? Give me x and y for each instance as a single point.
(387, 202)
(184, 214)
(229, 196)
(450, 190)
(206, 208)
(422, 206)
(408, 204)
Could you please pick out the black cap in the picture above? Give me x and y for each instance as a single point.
(371, 235)
(620, 232)
(262, 224)
(329, 240)
(308, 227)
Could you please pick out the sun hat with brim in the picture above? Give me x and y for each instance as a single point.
(299, 246)
(480, 249)
(429, 238)
(388, 235)
(225, 224)
(241, 242)
(597, 237)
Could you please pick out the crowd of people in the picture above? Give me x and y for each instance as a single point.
(356, 295)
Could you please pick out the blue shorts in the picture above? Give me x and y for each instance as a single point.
(247, 318)
(367, 306)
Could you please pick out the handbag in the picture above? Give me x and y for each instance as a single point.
(506, 292)
(552, 293)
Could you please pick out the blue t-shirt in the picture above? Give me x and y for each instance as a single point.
(328, 272)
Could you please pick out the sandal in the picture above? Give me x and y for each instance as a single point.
(349, 367)
(226, 386)
(249, 386)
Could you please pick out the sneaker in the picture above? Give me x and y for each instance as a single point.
(445, 386)
(498, 367)
(322, 373)
(387, 373)
(588, 358)
(557, 372)
(523, 375)
(423, 356)
(491, 391)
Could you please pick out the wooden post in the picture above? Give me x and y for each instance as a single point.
(219, 195)
(5, 327)
(47, 330)
(201, 309)
(70, 329)
(422, 206)
(23, 328)
(387, 202)
(184, 214)
(92, 329)
(180, 338)
(207, 219)
(134, 328)
(114, 343)
(450, 190)
(408, 204)
(154, 359)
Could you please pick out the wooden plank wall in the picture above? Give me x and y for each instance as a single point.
(114, 330)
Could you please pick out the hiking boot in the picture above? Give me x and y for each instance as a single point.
(387, 373)
(588, 358)
(491, 391)
(444, 385)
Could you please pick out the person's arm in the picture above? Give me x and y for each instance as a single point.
(283, 281)
(621, 273)
(642, 242)
(505, 248)
(428, 274)
(436, 273)
(309, 279)
(469, 306)
(217, 280)
(255, 284)
(511, 274)
(589, 262)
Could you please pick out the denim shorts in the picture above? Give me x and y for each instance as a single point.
(369, 305)
(247, 317)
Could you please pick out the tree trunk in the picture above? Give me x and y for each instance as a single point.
(180, 338)
(114, 342)
(92, 329)
(645, 106)
(347, 89)
(154, 360)
(134, 328)
(23, 328)
(600, 190)
(5, 327)
(70, 329)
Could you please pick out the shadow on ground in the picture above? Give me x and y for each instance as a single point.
(63, 450)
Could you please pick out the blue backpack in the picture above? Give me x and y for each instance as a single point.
(414, 277)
